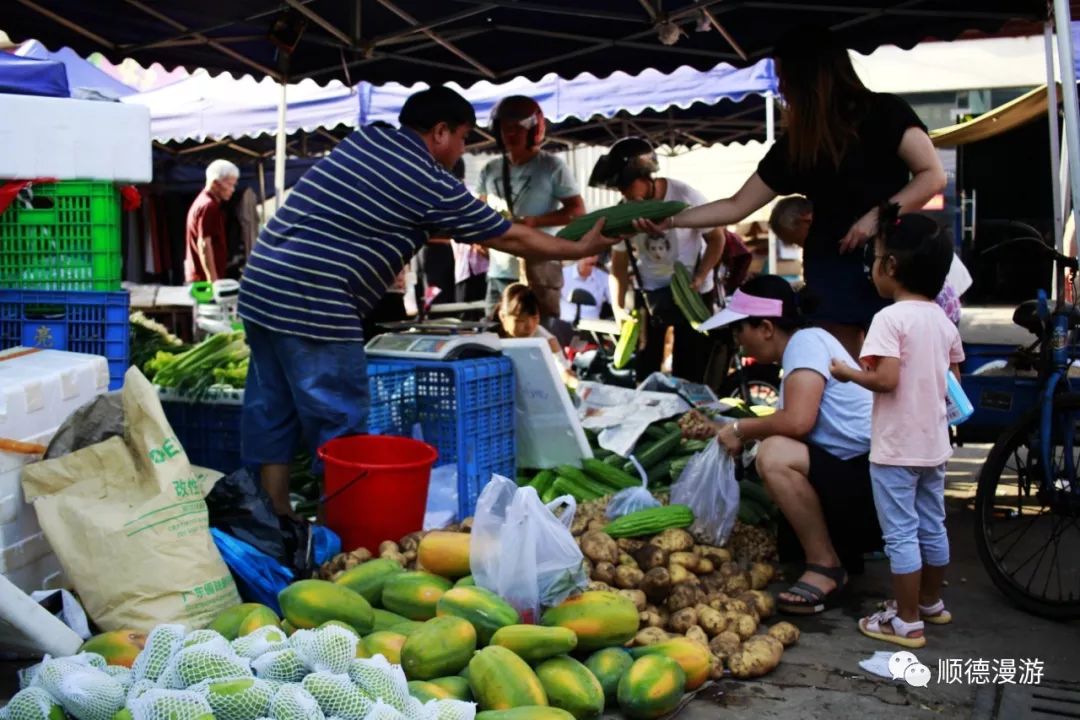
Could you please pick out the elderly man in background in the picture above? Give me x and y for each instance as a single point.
(206, 253)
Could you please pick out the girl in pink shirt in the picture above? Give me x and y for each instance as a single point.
(910, 347)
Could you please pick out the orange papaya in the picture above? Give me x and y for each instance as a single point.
(445, 553)
(599, 619)
(119, 647)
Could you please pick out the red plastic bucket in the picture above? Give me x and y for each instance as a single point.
(375, 488)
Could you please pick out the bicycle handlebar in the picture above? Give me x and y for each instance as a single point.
(1059, 259)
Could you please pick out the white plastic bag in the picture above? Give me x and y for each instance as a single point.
(632, 499)
(708, 486)
(521, 551)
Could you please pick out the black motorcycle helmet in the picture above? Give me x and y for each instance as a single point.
(627, 160)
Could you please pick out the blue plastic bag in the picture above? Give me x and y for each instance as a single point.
(259, 577)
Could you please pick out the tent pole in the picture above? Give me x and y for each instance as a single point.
(1055, 135)
(1062, 20)
(279, 152)
(262, 192)
(770, 137)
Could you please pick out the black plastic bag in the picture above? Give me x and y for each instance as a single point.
(240, 507)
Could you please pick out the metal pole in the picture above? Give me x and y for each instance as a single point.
(1055, 134)
(1062, 20)
(279, 150)
(262, 193)
(770, 138)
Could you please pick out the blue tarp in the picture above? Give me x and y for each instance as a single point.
(27, 76)
(83, 79)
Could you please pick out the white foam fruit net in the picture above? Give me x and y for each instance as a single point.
(161, 644)
(330, 648)
(293, 702)
(239, 699)
(268, 638)
(33, 703)
(380, 679)
(162, 704)
(338, 696)
(281, 666)
(84, 691)
(197, 663)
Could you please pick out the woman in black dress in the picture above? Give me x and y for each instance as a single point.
(845, 148)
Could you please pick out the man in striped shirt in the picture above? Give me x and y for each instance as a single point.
(329, 254)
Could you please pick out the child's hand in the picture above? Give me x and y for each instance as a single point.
(841, 370)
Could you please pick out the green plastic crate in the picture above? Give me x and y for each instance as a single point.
(69, 240)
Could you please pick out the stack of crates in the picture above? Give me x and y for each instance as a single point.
(60, 272)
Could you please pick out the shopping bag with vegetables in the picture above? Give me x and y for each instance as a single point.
(522, 551)
(709, 488)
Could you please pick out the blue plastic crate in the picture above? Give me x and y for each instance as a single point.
(393, 399)
(95, 323)
(208, 428)
(465, 409)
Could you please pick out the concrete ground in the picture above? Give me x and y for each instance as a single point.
(821, 678)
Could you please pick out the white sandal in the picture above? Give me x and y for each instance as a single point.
(935, 614)
(901, 632)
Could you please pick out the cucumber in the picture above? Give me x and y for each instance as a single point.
(655, 452)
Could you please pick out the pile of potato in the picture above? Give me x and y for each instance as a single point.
(403, 551)
(683, 587)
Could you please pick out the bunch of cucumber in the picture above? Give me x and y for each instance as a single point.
(687, 298)
(755, 505)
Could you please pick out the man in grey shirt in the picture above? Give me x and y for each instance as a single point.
(539, 190)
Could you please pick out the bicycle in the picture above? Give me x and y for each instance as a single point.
(1029, 480)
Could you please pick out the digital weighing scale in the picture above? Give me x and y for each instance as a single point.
(435, 340)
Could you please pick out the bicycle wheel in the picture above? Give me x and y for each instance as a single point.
(1027, 535)
(762, 385)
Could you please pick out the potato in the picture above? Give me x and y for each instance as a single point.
(350, 563)
(711, 621)
(674, 540)
(774, 645)
(388, 546)
(396, 556)
(716, 667)
(580, 524)
(680, 574)
(630, 545)
(657, 584)
(705, 567)
(599, 547)
(627, 560)
(604, 572)
(713, 583)
(637, 597)
(628, 578)
(763, 602)
(737, 606)
(743, 625)
(336, 575)
(650, 636)
(650, 556)
(410, 556)
(650, 618)
(362, 554)
(698, 635)
(755, 658)
(683, 620)
(411, 542)
(597, 586)
(718, 555)
(466, 525)
(736, 584)
(597, 525)
(785, 632)
(729, 568)
(684, 595)
(687, 559)
(761, 574)
(725, 644)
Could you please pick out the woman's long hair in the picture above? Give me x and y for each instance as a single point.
(823, 97)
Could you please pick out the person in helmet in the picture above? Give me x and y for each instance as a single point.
(630, 167)
(539, 191)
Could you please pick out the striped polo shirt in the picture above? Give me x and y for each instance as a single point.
(354, 220)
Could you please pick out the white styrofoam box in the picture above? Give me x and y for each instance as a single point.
(70, 139)
(39, 389)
